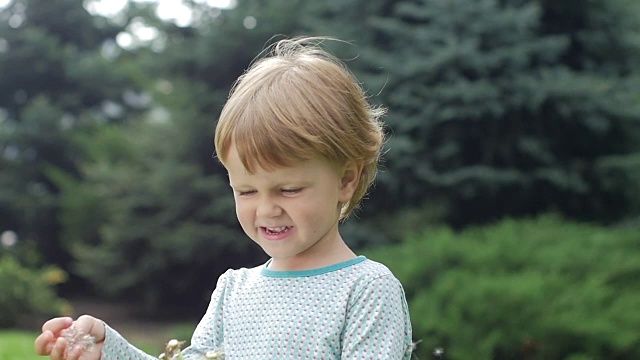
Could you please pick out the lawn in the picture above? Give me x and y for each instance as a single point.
(17, 345)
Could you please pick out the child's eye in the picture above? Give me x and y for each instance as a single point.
(291, 191)
(245, 193)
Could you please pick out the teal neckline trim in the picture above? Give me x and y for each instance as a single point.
(314, 272)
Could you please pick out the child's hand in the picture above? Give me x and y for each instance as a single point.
(52, 342)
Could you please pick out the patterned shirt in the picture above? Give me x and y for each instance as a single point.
(351, 310)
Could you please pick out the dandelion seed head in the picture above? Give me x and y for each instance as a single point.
(173, 343)
(217, 354)
(173, 351)
(414, 345)
(77, 338)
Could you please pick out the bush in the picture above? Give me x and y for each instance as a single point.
(28, 295)
(527, 289)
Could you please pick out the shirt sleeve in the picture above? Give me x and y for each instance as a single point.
(209, 333)
(377, 323)
(117, 348)
(207, 336)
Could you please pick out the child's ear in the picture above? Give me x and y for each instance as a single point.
(350, 178)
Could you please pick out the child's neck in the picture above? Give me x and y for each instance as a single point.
(314, 260)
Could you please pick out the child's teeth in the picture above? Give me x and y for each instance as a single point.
(278, 229)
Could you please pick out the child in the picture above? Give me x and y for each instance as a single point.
(301, 145)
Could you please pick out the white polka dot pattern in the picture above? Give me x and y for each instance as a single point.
(354, 310)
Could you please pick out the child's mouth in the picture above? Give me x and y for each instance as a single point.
(276, 230)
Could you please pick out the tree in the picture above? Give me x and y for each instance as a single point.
(167, 225)
(55, 80)
(158, 230)
(506, 108)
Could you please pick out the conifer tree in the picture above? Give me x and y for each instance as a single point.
(508, 107)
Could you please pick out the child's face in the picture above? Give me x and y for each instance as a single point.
(291, 212)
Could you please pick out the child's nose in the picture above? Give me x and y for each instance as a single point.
(268, 208)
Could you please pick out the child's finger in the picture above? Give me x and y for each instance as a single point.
(44, 343)
(73, 354)
(59, 349)
(56, 325)
(92, 326)
(93, 354)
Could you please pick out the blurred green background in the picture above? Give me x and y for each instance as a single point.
(508, 201)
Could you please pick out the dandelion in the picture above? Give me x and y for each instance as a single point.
(414, 345)
(78, 339)
(173, 351)
(214, 355)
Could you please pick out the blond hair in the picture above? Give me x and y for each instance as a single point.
(297, 103)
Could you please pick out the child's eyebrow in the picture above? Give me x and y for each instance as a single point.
(297, 183)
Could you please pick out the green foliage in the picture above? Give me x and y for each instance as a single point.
(502, 107)
(27, 294)
(529, 289)
(50, 58)
(153, 216)
(495, 108)
(55, 80)
(146, 224)
(391, 227)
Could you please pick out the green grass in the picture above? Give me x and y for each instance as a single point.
(17, 345)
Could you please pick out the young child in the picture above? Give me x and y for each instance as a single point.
(301, 145)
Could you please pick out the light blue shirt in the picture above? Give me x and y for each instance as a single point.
(351, 310)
